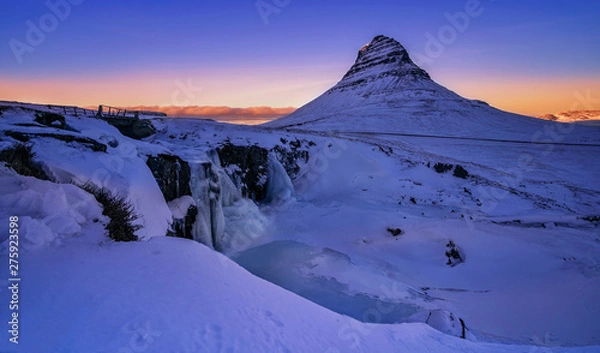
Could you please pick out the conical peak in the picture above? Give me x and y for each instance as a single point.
(382, 58)
(382, 46)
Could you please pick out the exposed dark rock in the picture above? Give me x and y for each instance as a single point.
(383, 57)
(442, 167)
(388, 151)
(51, 120)
(183, 228)
(394, 231)
(85, 141)
(251, 173)
(412, 199)
(172, 175)
(591, 219)
(454, 254)
(295, 144)
(291, 159)
(132, 127)
(460, 172)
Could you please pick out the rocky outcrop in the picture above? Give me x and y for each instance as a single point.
(132, 127)
(457, 171)
(248, 168)
(84, 141)
(184, 213)
(442, 167)
(394, 231)
(460, 172)
(454, 254)
(200, 193)
(293, 157)
(51, 120)
(384, 57)
(172, 175)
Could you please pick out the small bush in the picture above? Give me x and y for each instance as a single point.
(119, 211)
(19, 157)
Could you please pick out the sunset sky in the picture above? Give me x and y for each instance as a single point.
(530, 57)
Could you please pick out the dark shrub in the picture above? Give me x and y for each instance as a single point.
(118, 210)
(19, 157)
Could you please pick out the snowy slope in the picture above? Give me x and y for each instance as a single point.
(122, 169)
(385, 91)
(518, 217)
(171, 295)
(523, 218)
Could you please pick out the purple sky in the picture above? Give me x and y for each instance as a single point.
(530, 57)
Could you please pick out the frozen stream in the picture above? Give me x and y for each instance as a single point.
(289, 264)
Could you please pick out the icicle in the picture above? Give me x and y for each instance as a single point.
(279, 184)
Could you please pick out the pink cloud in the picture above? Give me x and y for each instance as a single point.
(220, 112)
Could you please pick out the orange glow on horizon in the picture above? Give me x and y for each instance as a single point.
(532, 96)
(527, 96)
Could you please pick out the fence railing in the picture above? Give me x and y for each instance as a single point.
(72, 110)
(106, 111)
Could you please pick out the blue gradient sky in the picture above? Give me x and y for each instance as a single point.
(531, 57)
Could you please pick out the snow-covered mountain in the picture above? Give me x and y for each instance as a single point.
(583, 116)
(385, 91)
(357, 240)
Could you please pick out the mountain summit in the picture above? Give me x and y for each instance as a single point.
(383, 58)
(385, 91)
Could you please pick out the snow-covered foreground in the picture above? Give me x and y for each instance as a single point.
(173, 295)
(341, 282)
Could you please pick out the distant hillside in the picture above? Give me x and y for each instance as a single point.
(573, 116)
